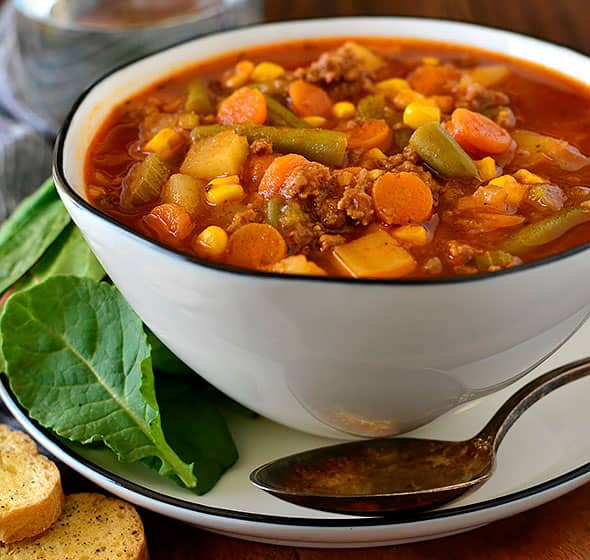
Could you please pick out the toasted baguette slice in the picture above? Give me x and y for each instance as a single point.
(31, 498)
(91, 526)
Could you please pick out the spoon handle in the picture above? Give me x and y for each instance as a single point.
(511, 410)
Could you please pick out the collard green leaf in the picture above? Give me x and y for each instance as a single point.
(195, 429)
(69, 254)
(78, 360)
(27, 234)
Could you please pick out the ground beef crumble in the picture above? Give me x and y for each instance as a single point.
(356, 200)
(328, 241)
(261, 147)
(307, 180)
(477, 97)
(254, 213)
(340, 65)
(459, 253)
(407, 160)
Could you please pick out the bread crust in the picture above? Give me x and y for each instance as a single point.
(34, 514)
(91, 526)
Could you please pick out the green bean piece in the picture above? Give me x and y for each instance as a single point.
(273, 211)
(279, 115)
(144, 182)
(198, 99)
(372, 107)
(545, 230)
(441, 151)
(324, 146)
(490, 259)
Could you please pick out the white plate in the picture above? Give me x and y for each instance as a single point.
(546, 454)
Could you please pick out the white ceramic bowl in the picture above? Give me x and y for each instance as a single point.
(331, 356)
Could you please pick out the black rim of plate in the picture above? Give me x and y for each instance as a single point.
(378, 521)
(60, 175)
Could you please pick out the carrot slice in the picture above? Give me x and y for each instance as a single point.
(308, 100)
(402, 198)
(256, 245)
(242, 106)
(256, 168)
(170, 223)
(477, 133)
(372, 133)
(431, 80)
(277, 173)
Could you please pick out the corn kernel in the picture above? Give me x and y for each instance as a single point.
(392, 86)
(503, 181)
(375, 174)
(225, 180)
(375, 153)
(239, 75)
(430, 61)
(224, 189)
(165, 143)
(224, 193)
(315, 121)
(266, 71)
(414, 234)
(211, 242)
(525, 176)
(343, 110)
(416, 114)
(487, 168)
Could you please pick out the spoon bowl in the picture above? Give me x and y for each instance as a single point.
(401, 475)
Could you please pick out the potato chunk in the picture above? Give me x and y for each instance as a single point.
(222, 154)
(375, 255)
(185, 191)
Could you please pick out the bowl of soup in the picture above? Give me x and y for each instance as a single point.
(350, 226)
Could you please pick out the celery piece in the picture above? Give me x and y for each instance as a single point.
(143, 182)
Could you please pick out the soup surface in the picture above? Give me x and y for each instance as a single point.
(376, 158)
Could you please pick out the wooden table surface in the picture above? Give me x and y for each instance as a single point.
(559, 530)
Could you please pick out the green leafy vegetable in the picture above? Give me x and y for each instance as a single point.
(78, 360)
(68, 255)
(27, 234)
(195, 429)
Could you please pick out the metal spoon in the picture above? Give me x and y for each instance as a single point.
(399, 475)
